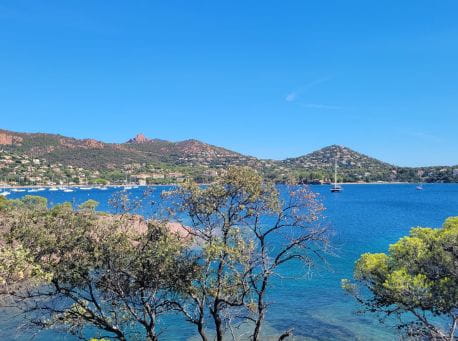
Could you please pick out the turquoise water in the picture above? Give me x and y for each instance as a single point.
(364, 218)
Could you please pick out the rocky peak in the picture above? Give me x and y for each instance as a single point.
(139, 138)
(7, 139)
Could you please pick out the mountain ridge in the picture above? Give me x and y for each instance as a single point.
(140, 152)
(12, 138)
(79, 152)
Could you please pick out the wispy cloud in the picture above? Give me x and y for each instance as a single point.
(291, 96)
(320, 106)
(294, 95)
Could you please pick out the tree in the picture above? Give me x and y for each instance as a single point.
(72, 269)
(245, 232)
(417, 280)
(118, 274)
(100, 181)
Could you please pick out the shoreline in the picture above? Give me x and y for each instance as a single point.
(206, 184)
(76, 186)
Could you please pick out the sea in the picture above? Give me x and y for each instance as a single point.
(363, 218)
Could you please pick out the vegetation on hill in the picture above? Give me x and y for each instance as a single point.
(154, 159)
(352, 166)
(356, 167)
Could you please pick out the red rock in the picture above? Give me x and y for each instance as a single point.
(91, 143)
(6, 139)
(139, 138)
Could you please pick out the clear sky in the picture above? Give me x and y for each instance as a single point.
(273, 79)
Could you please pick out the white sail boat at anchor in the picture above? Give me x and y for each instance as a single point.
(336, 187)
(4, 193)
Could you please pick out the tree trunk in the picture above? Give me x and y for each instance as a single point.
(261, 308)
(219, 329)
(121, 336)
(200, 328)
(151, 336)
(453, 329)
(218, 324)
(257, 328)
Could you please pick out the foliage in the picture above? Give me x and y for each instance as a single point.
(100, 181)
(72, 269)
(245, 233)
(67, 160)
(417, 280)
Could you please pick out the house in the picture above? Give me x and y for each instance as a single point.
(142, 178)
(211, 173)
(175, 175)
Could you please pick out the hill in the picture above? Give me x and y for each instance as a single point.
(352, 166)
(93, 154)
(29, 158)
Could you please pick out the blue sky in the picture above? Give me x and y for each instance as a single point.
(273, 79)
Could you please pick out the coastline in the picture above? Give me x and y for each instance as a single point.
(203, 184)
(78, 186)
(378, 183)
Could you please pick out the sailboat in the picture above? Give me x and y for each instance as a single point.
(420, 185)
(18, 190)
(127, 186)
(53, 188)
(335, 187)
(5, 192)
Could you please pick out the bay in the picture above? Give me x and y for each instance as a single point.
(364, 218)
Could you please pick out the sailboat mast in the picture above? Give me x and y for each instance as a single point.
(335, 172)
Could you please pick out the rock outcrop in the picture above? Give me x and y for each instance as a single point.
(7, 139)
(139, 138)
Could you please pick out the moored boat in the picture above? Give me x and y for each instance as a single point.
(335, 187)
